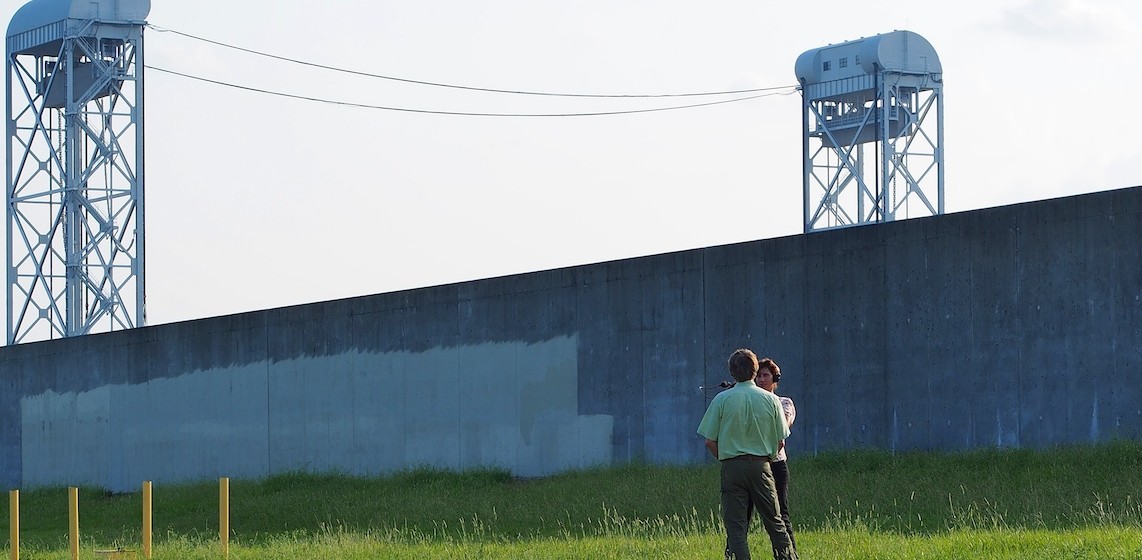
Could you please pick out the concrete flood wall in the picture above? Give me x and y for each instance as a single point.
(1012, 326)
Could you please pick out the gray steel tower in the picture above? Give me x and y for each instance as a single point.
(74, 195)
(887, 91)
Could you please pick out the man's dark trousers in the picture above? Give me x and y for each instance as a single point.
(749, 479)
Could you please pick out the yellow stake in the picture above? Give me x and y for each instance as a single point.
(147, 520)
(73, 518)
(14, 522)
(224, 515)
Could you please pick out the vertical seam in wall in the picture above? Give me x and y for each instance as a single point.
(1018, 328)
(269, 419)
(459, 411)
(972, 338)
(885, 348)
(1117, 294)
(705, 335)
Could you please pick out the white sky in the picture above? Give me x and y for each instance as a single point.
(255, 201)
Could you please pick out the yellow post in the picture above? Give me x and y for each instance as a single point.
(14, 522)
(224, 515)
(73, 519)
(147, 519)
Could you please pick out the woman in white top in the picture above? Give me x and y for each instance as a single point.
(768, 374)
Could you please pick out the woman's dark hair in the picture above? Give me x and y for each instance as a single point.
(772, 367)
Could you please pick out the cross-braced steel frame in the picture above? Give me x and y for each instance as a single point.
(75, 185)
(902, 117)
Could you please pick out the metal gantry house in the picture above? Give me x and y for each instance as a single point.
(885, 93)
(74, 195)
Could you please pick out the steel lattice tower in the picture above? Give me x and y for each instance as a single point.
(74, 194)
(887, 91)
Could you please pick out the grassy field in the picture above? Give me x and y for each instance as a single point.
(1073, 502)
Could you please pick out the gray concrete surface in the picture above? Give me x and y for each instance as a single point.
(1013, 326)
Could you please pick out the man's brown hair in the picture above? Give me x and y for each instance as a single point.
(743, 364)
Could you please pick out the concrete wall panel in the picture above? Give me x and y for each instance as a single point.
(1121, 397)
(385, 406)
(991, 360)
(65, 437)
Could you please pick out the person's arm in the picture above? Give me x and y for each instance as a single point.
(789, 409)
(712, 445)
(711, 424)
(780, 427)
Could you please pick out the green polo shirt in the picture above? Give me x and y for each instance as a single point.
(744, 420)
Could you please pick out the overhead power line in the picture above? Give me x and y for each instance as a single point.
(790, 90)
(469, 88)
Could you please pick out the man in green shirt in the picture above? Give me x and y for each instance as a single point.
(744, 427)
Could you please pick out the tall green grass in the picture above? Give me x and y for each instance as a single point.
(1078, 502)
(920, 493)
